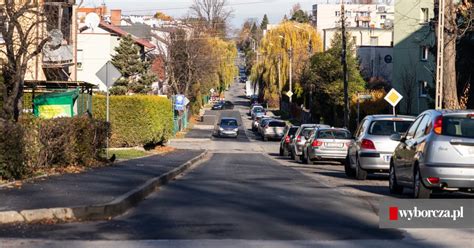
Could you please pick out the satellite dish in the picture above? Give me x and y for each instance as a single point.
(56, 37)
(92, 20)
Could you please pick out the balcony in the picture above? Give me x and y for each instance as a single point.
(363, 18)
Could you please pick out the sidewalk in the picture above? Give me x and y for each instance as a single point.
(95, 187)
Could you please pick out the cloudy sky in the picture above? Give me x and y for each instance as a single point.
(243, 9)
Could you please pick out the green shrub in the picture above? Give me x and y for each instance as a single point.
(136, 120)
(11, 150)
(33, 144)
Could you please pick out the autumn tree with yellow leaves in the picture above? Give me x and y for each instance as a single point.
(289, 38)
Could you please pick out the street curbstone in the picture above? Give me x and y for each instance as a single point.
(8, 217)
(114, 208)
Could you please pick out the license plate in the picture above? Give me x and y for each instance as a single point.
(387, 158)
(334, 145)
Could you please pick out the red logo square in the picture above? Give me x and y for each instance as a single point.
(393, 213)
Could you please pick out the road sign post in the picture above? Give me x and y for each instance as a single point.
(108, 74)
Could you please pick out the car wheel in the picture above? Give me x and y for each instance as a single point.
(264, 138)
(392, 182)
(419, 189)
(348, 169)
(292, 155)
(281, 151)
(285, 153)
(360, 173)
(304, 158)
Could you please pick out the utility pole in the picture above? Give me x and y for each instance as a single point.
(440, 56)
(344, 66)
(291, 72)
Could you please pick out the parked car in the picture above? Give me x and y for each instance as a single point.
(372, 149)
(437, 153)
(253, 99)
(274, 129)
(299, 140)
(252, 106)
(286, 140)
(222, 105)
(262, 123)
(228, 127)
(256, 122)
(327, 144)
(258, 111)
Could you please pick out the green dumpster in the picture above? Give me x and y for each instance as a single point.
(55, 105)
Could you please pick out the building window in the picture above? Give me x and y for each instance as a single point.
(80, 58)
(425, 53)
(425, 16)
(423, 88)
(365, 24)
(374, 41)
(383, 17)
(348, 13)
(338, 13)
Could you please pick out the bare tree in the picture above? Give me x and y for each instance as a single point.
(409, 83)
(213, 12)
(19, 25)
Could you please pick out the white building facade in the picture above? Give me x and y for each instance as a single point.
(379, 16)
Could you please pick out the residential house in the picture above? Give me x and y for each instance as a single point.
(57, 60)
(96, 46)
(414, 64)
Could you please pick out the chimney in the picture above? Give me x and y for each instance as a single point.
(116, 17)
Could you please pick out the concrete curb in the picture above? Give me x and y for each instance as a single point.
(102, 211)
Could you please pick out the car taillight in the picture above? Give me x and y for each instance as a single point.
(433, 180)
(298, 139)
(317, 143)
(367, 144)
(438, 125)
(287, 139)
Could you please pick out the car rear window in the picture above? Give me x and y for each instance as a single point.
(306, 131)
(334, 134)
(277, 124)
(458, 126)
(389, 127)
(292, 131)
(258, 110)
(228, 123)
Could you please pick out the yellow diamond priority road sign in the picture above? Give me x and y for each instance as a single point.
(393, 97)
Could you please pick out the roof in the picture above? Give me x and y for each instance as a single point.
(57, 84)
(391, 116)
(121, 32)
(361, 28)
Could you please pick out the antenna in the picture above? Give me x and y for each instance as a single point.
(92, 20)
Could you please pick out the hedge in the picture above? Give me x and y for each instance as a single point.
(137, 120)
(33, 144)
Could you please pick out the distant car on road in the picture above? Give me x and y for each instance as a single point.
(327, 144)
(372, 149)
(228, 127)
(303, 133)
(274, 129)
(258, 111)
(254, 105)
(222, 105)
(286, 140)
(262, 123)
(256, 122)
(437, 153)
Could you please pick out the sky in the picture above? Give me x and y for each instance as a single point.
(242, 9)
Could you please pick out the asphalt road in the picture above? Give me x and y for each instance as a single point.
(244, 195)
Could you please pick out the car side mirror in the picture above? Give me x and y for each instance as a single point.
(396, 137)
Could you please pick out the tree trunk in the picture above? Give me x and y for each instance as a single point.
(450, 91)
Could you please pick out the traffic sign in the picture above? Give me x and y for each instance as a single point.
(289, 94)
(393, 97)
(108, 74)
(186, 101)
(212, 90)
(179, 102)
